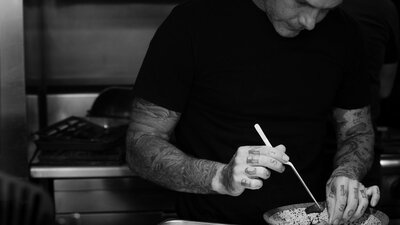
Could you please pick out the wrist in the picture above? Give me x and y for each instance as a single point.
(348, 171)
(216, 183)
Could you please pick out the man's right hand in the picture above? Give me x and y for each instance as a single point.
(248, 166)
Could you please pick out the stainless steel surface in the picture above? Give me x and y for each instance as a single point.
(80, 171)
(186, 222)
(103, 201)
(390, 161)
(13, 138)
(114, 218)
(389, 145)
(61, 106)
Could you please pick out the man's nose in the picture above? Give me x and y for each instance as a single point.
(308, 19)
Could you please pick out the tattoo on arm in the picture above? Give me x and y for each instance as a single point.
(152, 156)
(342, 191)
(355, 138)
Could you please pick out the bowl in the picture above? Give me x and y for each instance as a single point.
(295, 215)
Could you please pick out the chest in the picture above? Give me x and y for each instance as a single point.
(256, 72)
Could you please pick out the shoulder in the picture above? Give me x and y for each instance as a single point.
(342, 18)
(372, 11)
(342, 25)
(204, 8)
(197, 7)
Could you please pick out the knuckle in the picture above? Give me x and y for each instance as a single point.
(272, 161)
(273, 152)
(267, 173)
(376, 190)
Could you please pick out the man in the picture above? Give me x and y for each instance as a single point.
(215, 68)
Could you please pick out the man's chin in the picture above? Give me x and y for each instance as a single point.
(288, 33)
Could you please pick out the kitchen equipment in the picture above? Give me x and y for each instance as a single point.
(82, 141)
(75, 133)
(188, 222)
(267, 143)
(113, 102)
(388, 145)
(278, 216)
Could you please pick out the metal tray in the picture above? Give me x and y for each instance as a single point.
(187, 222)
(75, 133)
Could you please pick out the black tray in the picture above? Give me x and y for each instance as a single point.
(76, 133)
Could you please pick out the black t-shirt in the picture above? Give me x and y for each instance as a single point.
(222, 65)
(378, 20)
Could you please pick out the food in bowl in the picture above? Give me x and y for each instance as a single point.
(296, 215)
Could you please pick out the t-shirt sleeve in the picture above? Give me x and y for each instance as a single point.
(354, 91)
(165, 77)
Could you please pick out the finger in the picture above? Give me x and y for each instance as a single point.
(281, 148)
(362, 203)
(252, 184)
(257, 172)
(279, 153)
(375, 193)
(352, 200)
(271, 163)
(330, 199)
(322, 222)
(340, 200)
(253, 160)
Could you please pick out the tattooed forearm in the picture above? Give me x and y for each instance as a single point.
(355, 137)
(151, 156)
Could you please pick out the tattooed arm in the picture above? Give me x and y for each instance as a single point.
(355, 140)
(347, 198)
(151, 155)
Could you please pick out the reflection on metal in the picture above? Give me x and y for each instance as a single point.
(187, 222)
(390, 164)
(13, 138)
(80, 171)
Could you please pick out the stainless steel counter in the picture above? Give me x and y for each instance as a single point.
(52, 172)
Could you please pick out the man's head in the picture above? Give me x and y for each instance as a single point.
(289, 17)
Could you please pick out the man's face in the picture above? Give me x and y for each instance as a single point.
(289, 17)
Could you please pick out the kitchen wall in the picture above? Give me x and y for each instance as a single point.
(76, 48)
(89, 42)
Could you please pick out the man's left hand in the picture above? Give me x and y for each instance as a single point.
(347, 199)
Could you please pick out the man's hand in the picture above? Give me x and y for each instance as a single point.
(347, 199)
(248, 166)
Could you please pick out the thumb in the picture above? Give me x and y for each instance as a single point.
(375, 193)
